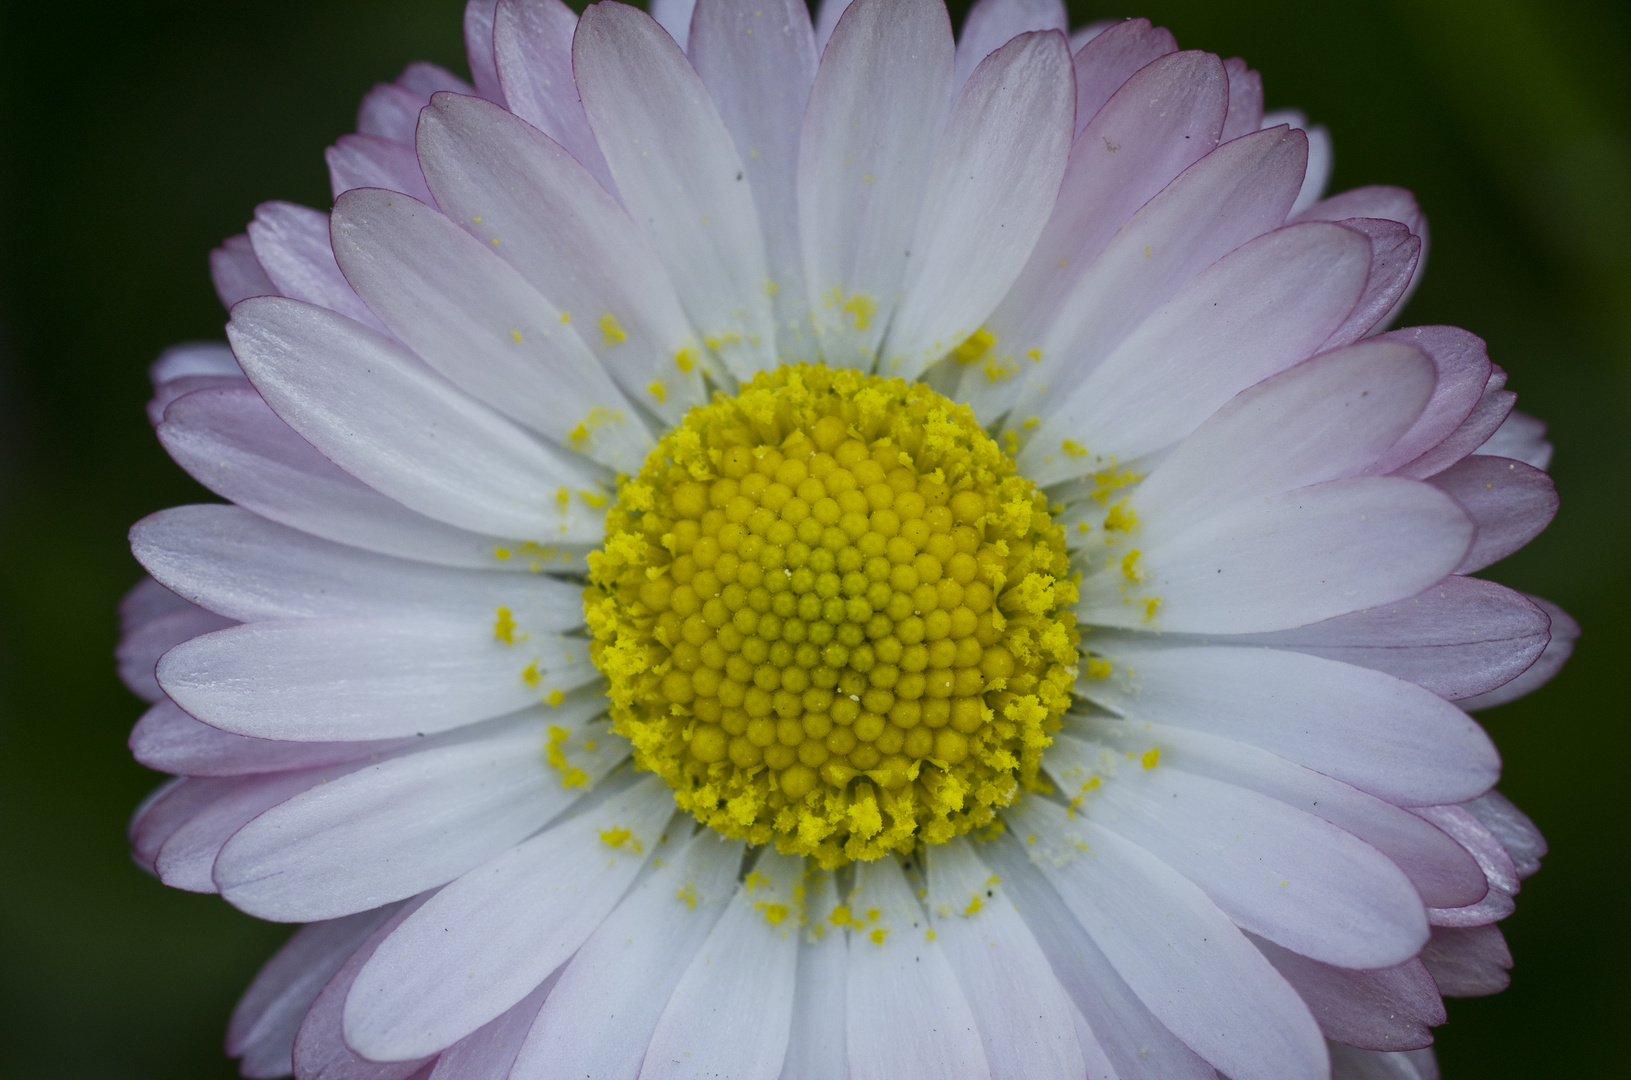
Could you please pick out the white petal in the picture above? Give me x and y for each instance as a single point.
(880, 102)
(232, 442)
(1023, 1015)
(236, 273)
(1379, 733)
(1235, 193)
(1119, 50)
(1522, 438)
(991, 24)
(1245, 100)
(1508, 501)
(1286, 560)
(343, 680)
(611, 993)
(369, 161)
(1137, 1044)
(815, 1045)
(730, 1013)
(185, 860)
(1165, 118)
(1512, 827)
(169, 807)
(1276, 871)
(473, 318)
(478, 48)
(1395, 255)
(1462, 364)
(758, 61)
(532, 42)
(264, 1023)
(1326, 419)
(193, 358)
(320, 1048)
(168, 740)
(680, 177)
(1459, 638)
(542, 213)
(990, 191)
(394, 829)
(1263, 307)
(1352, 1063)
(1469, 961)
(828, 13)
(488, 1053)
(232, 562)
(485, 941)
(140, 648)
(1179, 953)
(675, 17)
(292, 244)
(907, 1019)
(1388, 1008)
(1440, 869)
(382, 416)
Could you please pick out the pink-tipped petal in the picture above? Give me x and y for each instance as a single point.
(532, 40)
(1245, 99)
(991, 24)
(236, 273)
(361, 161)
(1508, 501)
(1389, 1008)
(478, 50)
(758, 62)
(1105, 61)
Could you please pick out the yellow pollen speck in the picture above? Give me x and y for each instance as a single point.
(975, 346)
(689, 895)
(514, 334)
(1129, 566)
(975, 904)
(878, 935)
(1150, 605)
(840, 916)
(1034, 355)
(531, 675)
(555, 698)
(1032, 423)
(773, 913)
(832, 617)
(1098, 668)
(1121, 518)
(563, 498)
(861, 309)
(598, 417)
(504, 627)
(658, 390)
(1073, 448)
(685, 359)
(571, 775)
(929, 934)
(617, 837)
(1151, 757)
(610, 332)
(501, 553)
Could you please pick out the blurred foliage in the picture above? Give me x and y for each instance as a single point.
(137, 134)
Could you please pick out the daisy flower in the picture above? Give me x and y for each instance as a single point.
(771, 548)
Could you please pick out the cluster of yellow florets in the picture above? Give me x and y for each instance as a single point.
(833, 617)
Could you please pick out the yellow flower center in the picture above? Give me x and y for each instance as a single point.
(832, 616)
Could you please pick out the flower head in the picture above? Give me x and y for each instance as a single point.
(769, 549)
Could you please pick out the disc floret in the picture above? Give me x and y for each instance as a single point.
(833, 617)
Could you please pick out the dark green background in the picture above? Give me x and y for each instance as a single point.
(135, 135)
